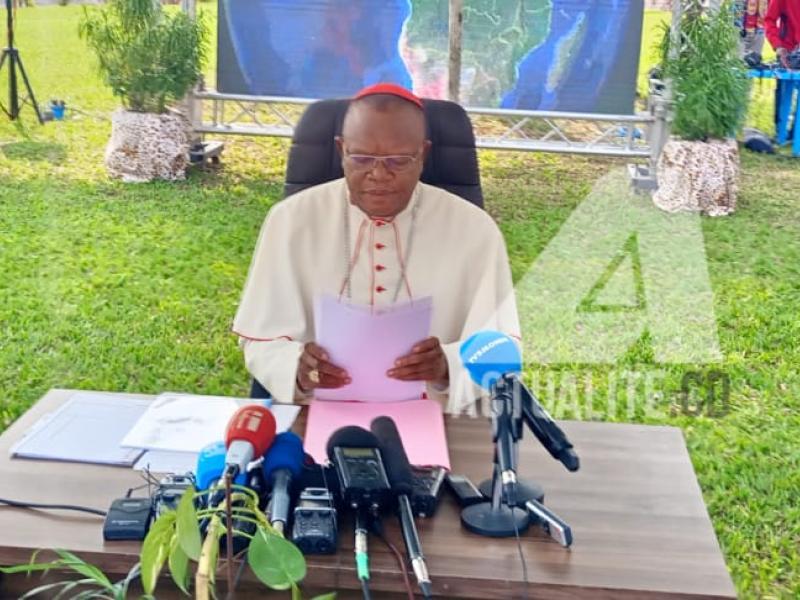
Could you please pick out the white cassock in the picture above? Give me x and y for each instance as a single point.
(451, 249)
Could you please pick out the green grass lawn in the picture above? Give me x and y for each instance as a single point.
(133, 288)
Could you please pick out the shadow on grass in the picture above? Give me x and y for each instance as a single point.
(35, 151)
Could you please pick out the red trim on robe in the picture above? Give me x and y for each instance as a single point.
(288, 338)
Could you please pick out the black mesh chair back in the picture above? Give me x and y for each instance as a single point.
(452, 163)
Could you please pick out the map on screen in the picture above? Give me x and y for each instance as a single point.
(563, 55)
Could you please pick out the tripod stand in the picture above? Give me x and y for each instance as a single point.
(11, 54)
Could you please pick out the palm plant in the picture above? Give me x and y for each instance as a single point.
(148, 56)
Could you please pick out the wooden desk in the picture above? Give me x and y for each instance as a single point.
(640, 526)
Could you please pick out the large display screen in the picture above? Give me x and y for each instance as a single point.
(563, 55)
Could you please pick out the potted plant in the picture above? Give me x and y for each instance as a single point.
(698, 169)
(150, 58)
(175, 540)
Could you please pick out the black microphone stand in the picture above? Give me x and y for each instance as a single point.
(502, 517)
(11, 54)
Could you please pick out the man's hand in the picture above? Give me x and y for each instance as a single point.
(426, 362)
(783, 57)
(315, 371)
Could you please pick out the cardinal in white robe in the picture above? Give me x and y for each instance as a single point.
(377, 237)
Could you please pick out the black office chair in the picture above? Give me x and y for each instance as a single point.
(452, 163)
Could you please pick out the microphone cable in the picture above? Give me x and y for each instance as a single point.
(361, 552)
(365, 589)
(522, 559)
(378, 530)
(37, 506)
(77, 508)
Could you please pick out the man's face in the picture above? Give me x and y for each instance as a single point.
(383, 188)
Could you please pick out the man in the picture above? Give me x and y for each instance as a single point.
(782, 28)
(377, 237)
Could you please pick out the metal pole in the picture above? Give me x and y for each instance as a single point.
(13, 94)
(661, 103)
(456, 21)
(675, 28)
(194, 107)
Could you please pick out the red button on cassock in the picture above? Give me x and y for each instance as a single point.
(380, 288)
(379, 267)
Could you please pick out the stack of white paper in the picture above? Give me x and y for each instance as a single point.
(88, 428)
(177, 426)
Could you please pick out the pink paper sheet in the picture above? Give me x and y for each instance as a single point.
(420, 423)
(366, 343)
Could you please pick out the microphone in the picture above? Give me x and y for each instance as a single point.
(283, 462)
(363, 484)
(210, 466)
(209, 472)
(355, 454)
(249, 434)
(401, 479)
(493, 362)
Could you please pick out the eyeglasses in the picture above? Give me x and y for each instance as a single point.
(367, 162)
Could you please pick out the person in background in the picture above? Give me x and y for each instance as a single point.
(782, 28)
(750, 16)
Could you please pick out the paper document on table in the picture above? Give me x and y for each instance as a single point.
(163, 461)
(366, 341)
(420, 423)
(185, 423)
(87, 428)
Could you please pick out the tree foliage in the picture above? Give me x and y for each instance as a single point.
(148, 56)
(709, 79)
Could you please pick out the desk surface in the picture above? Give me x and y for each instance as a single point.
(641, 528)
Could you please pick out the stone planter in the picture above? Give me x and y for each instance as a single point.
(147, 146)
(698, 177)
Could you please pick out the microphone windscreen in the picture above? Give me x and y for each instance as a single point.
(211, 464)
(286, 452)
(488, 355)
(351, 436)
(253, 423)
(395, 459)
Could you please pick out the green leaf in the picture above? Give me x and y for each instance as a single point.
(31, 568)
(121, 587)
(328, 596)
(81, 566)
(51, 586)
(187, 527)
(155, 549)
(70, 585)
(275, 561)
(215, 530)
(179, 565)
